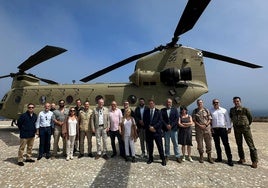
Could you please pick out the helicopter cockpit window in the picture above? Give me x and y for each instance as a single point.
(17, 99)
(132, 99)
(43, 99)
(69, 99)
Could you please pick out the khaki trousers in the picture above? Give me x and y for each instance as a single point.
(57, 134)
(23, 142)
(82, 136)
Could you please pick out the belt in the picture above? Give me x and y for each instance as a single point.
(219, 128)
(101, 125)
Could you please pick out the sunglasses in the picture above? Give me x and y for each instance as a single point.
(30, 107)
(215, 102)
(72, 110)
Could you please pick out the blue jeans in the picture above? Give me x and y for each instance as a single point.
(174, 138)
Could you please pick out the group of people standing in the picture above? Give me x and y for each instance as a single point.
(217, 123)
(147, 123)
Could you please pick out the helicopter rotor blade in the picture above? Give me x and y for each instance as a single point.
(5, 76)
(229, 59)
(47, 81)
(119, 64)
(191, 14)
(44, 54)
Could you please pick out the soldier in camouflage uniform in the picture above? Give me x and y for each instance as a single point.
(202, 119)
(242, 119)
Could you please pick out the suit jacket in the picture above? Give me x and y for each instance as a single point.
(95, 118)
(156, 122)
(171, 120)
(138, 115)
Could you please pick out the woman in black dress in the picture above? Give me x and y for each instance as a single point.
(185, 132)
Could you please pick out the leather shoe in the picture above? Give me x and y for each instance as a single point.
(20, 163)
(241, 161)
(30, 160)
(39, 157)
(230, 163)
(254, 165)
(164, 163)
(90, 155)
(178, 160)
(105, 157)
(47, 156)
(97, 157)
(218, 160)
(149, 161)
(113, 155)
(80, 155)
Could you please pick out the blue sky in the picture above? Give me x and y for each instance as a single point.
(99, 33)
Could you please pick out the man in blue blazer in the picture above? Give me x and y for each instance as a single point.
(170, 118)
(153, 127)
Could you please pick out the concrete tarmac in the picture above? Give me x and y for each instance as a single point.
(115, 172)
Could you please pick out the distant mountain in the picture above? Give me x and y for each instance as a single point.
(259, 113)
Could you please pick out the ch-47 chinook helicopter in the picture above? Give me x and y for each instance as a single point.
(168, 71)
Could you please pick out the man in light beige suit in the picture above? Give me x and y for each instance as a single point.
(100, 126)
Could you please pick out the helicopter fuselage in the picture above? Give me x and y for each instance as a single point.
(146, 82)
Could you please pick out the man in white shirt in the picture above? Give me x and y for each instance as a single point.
(221, 127)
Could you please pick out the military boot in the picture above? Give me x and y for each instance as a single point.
(201, 158)
(210, 160)
(254, 165)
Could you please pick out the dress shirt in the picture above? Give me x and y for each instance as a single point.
(100, 116)
(220, 118)
(168, 111)
(115, 118)
(142, 111)
(44, 119)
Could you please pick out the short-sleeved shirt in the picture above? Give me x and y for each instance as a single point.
(59, 116)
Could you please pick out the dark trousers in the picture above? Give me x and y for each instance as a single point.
(150, 138)
(44, 145)
(221, 133)
(116, 134)
(245, 131)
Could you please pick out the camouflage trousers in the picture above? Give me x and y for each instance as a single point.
(203, 135)
(239, 132)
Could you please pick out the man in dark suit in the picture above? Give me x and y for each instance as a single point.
(139, 111)
(153, 127)
(170, 118)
